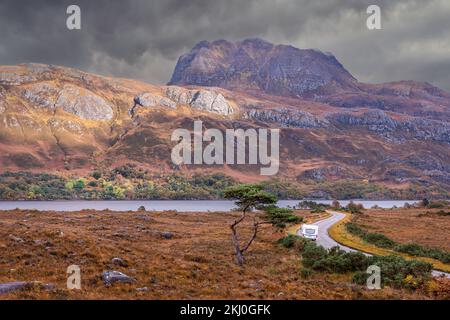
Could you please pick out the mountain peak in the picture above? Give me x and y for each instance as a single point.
(257, 64)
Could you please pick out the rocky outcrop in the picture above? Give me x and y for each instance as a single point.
(205, 100)
(67, 125)
(395, 130)
(326, 173)
(211, 101)
(149, 100)
(84, 104)
(42, 94)
(2, 103)
(286, 117)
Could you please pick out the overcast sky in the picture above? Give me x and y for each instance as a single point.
(143, 39)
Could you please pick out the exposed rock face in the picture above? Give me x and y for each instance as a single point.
(42, 94)
(180, 95)
(206, 100)
(2, 103)
(68, 125)
(150, 100)
(211, 101)
(323, 173)
(84, 104)
(254, 63)
(286, 117)
(395, 130)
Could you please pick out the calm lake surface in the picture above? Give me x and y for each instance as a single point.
(160, 205)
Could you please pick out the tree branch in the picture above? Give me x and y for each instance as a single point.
(256, 225)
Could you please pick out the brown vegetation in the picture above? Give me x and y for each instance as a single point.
(196, 263)
(414, 225)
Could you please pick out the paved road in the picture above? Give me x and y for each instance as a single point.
(327, 242)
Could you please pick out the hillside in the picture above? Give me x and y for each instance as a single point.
(334, 129)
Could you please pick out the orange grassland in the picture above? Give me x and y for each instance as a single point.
(197, 263)
(413, 225)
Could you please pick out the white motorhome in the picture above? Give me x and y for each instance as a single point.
(310, 231)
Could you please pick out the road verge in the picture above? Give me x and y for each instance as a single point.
(339, 234)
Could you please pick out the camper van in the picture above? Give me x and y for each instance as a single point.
(310, 231)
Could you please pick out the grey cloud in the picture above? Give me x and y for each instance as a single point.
(143, 39)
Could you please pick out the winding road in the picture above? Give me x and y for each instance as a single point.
(327, 242)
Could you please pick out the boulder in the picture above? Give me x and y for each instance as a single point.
(166, 235)
(111, 277)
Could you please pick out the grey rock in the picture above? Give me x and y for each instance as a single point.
(205, 100)
(166, 235)
(41, 94)
(393, 130)
(111, 277)
(84, 104)
(13, 286)
(180, 95)
(119, 262)
(211, 101)
(22, 285)
(144, 289)
(148, 100)
(285, 117)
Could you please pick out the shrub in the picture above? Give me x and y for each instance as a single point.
(141, 208)
(380, 240)
(420, 251)
(93, 184)
(306, 273)
(335, 205)
(289, 241)
(313, 206)
(354, 208)
(396, 271)
(353, 228)
(437, 204)
(96, 175)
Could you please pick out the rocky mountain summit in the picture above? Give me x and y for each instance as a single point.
(256, 65)
(333, 128)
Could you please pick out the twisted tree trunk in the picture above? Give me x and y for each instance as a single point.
(239, 252)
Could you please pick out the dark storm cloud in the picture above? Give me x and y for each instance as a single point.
(143, 39)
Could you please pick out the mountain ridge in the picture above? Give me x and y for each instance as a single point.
(66, 121)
